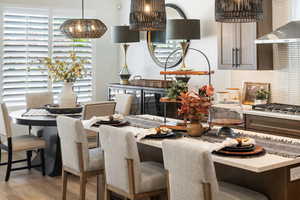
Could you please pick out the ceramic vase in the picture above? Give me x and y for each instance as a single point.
(67, 98)
(195, 128)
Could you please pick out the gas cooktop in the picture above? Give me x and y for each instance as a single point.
(278, 108)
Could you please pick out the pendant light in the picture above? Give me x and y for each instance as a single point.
(238, 11)
(148, 15)
(83, 28)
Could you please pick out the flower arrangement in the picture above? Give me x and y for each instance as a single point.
(176, 89)
(206, 91)
(66, 71)
(193, 106)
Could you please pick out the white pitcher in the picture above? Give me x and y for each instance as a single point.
(67, 98)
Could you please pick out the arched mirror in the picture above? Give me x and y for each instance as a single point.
(159, 47)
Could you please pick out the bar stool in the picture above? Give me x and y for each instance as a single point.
(191, 175)
(125, 174)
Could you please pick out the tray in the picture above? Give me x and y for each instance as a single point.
(55, 109)
(151, 83)
(112, 123)
(257, 151)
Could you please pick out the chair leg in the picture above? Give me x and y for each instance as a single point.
(0, 155)
(64, 184)
(29, 129)
(107, 194)
(43, 161)
(9, 163)
(82, 186)
(29, 155)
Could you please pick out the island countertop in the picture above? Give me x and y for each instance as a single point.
(258, 164)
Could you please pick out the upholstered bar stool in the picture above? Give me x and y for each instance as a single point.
(191, 175)
(77, 158)
(124, 102)
(97, 109)
(125, 174)
(13, 144)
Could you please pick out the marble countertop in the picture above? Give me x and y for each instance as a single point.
(248, 110)
(259, 164)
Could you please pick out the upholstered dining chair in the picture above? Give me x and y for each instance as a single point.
(97, 109)
(124, 102)
(13, 144)
(125, 174)
(191, 175)
(37, 100)
(76, 157)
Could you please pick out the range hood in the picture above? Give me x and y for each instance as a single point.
(289, 33)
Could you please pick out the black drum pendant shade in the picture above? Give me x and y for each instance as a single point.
(148, 15)
(238, 11)
(83, 28)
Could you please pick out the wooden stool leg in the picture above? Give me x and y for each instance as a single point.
(82, 186)
(107, 194)
(43, 161)
(29, 155)
(0, 155)
(64, 184)
(9, 163)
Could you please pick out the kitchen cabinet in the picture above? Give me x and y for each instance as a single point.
(236, 44)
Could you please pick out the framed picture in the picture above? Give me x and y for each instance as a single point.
(250, 89)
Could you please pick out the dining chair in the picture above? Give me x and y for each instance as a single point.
(124, 102)
(35, 101)
(77, 158)
(97, 109)
(13, 144)
(125, 174)
(191, 175)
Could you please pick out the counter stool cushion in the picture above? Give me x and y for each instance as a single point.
(96, 159)
(234, 192)
(153, 176)
(27, 142)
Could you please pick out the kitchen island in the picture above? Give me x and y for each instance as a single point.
(273, 175)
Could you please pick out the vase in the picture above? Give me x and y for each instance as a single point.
(195, 128)
(67, 98)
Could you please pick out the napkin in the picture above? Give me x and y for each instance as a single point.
(93, 120)
(229, 142)
(139, 133)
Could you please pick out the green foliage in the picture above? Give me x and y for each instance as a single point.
(176, 89)
(262, 94)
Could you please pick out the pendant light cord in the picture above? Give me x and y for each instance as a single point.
(82, 11)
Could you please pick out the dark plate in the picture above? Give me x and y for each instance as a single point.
(112, 123)
(55, 109)
(240, 149)
(160, 136)
(256, 152)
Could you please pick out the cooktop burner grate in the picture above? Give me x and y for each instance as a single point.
(279, 108)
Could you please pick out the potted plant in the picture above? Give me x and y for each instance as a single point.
(68, 72)
(193, 108)
(184, 78)
(261, 96)
(176, 89)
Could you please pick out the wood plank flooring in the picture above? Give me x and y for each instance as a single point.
(31, 185)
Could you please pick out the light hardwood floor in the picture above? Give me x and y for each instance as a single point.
(31, 185)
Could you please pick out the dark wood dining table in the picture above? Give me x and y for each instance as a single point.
(50, 135)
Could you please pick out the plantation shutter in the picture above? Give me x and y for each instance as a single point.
(25, 41)
(61, 50)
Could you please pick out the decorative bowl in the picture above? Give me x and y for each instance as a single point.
(55, 109)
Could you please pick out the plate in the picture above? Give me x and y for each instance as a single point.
(55, 109)
(240, 149)
(257, 151)
(114, 123)
(160, 136)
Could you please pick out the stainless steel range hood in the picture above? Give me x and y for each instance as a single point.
(289, 33)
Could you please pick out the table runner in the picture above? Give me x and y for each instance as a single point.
(282, 146)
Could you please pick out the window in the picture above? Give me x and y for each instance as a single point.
(28, 37)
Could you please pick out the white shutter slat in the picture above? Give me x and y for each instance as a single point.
(25, 40)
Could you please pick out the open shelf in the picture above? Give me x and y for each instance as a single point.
(199, 73)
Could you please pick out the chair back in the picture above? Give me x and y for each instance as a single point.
(38, 100)
(5, 126)
(124, 102)
(98, 109)
(119, 145)
(72, 135)
(191, 171)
